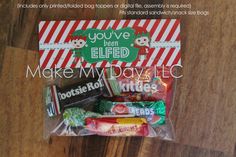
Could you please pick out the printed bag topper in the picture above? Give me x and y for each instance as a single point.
(102, 43)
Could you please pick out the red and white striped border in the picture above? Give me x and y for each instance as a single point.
(56, 104)
(161, 30)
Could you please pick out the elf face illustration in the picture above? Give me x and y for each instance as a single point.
(142, 41)
(78, 42)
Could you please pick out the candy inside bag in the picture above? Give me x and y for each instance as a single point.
(72, 122)
(140, 84)
(153, 111)
(124, 102)
(78, 122)
(118, 126)
(77, 94)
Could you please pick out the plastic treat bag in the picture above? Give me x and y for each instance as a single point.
(86, 107)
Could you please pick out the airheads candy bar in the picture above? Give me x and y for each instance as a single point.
(57, 99)
(154, 112)
(118, 126)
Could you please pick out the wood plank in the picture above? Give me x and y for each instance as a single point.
(205, 105)
(23, 32)
(21, 129)
(22, 24)
(5, 15)
(3, 41)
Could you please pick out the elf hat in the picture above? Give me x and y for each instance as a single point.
(141, 32)
(78, 37)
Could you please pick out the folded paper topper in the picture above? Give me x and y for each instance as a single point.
(102, 43)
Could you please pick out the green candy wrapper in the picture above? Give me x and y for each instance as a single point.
(76, 116)
(153, 111)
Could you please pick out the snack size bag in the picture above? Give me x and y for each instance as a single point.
(127, 86)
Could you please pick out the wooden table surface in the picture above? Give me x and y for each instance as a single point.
(205, 105)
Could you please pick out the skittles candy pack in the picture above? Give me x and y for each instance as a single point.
(122, 76)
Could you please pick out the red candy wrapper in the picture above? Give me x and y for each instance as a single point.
(110, 126)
